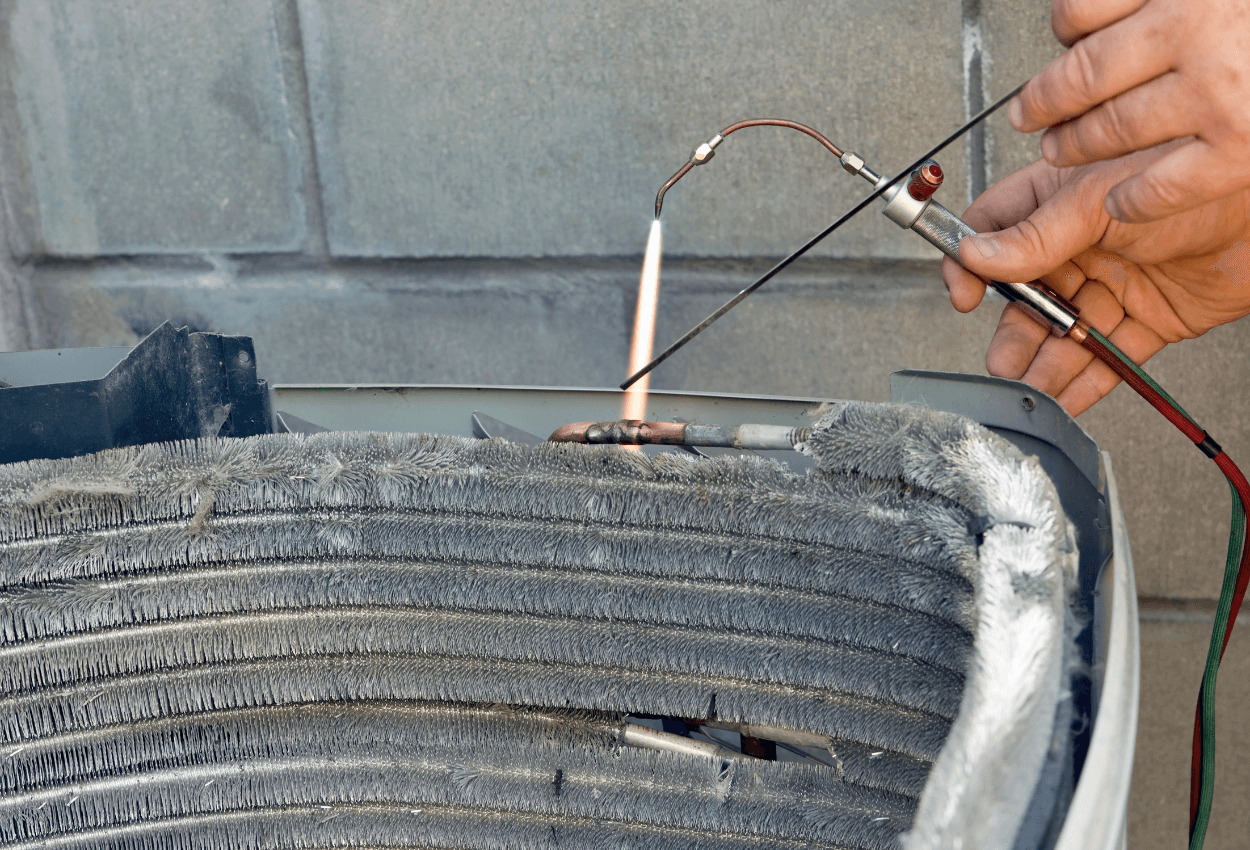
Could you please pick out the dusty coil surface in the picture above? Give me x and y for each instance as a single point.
(381, 640)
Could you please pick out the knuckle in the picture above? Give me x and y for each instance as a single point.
(1090, 204)
(1033, 239)
(1160, 30)
(1081, 73)
(1104, 130)
(1229, 77)
(1156, 190)
(1067, 19)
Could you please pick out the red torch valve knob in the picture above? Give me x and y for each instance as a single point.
(925, 180)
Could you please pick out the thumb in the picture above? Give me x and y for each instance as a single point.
(1066, 224)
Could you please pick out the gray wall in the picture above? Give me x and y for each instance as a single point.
(444, 191)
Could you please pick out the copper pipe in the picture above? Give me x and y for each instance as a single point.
(681, 172)
(630, 432)
(782, 122)
(574, 432)
(882, 187)
(733, 128)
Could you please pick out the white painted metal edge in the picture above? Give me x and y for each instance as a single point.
(1098, 816)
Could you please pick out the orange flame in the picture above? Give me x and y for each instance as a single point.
(635, 406)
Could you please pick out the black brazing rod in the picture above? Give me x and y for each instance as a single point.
(768, 275)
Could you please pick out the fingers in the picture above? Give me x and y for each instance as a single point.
(1096, 68)
(1002, 205)
(1072, 19)
(1147, 295)
(1059, 361)
(1096, 380)
(1012, 199)
(1054, 365)
(1187, 177)
(1024, 350)
(1016, 342)
(1061, 227)
(1142, 117)
(966, 289)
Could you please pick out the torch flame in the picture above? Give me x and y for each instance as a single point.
(644, 326)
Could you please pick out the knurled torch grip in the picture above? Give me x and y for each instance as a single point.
(943, 229)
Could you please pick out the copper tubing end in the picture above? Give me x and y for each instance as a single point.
(1079, 331)
(572, 433)
(668, 184)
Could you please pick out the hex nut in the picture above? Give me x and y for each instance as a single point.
(852, 162)
(702, 154)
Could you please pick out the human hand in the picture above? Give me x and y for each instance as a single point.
(1142, 285)
(1142, 72)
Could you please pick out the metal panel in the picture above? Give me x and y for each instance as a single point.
(57, 365)
(443, 409)
(174, 385)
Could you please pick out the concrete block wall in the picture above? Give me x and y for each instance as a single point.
(153, 129)
(383, 191)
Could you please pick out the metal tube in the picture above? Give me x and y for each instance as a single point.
(943, 229)
(758, 437)
(773, 733)
(782, 122)
(882, 185)
(635, 432)
(643, 736)
(629, 432)
(704, 152)
(668, 184)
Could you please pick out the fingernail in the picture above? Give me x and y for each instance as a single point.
(1015, 113)
(987, 246)
(1050, 148)
(1112, 206)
